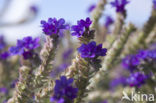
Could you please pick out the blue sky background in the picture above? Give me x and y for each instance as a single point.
(70, 10)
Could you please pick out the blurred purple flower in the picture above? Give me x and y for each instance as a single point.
(152, 54)
(90, 50)
(91, 8)
(3, 90)
(142, 54)
(5, 101)
(14, 50)
(61, 100)
(154, 4)
(2, 42)
(53, 26)
(118, 81)
(13, 83)
(136, 79)
(34, 8)
(58, 70)
(25, 47)
(108, 21)
(119, 5)
(67, 53)
(64, 90)
(105, 101)
(131, 62)
(4, 55)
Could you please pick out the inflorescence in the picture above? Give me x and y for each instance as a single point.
(91, 50)
(136, 64)
(119, 5)
(25, 47)
(64, 91)
(54, 26)
(81, 28)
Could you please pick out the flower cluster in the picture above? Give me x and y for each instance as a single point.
(53, 26)
(64, 91)
(4, 55)
(25, 47)
(81, 27)
(108, 21)
(133, 64)
(119, 5)
(91, 50)
(137, 79)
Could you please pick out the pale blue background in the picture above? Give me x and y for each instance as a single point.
(70, 10)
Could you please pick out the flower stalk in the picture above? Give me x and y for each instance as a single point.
(23, 93)
(112, 55)
(97, 13)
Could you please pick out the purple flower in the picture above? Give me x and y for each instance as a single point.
(4, 90)
(5, 101)
(105, 101)
(67, 53)
(91, 8)
(100, 51)
(25, 47)
(90, 50)
(82, 25)
(13, 83)
(118, 81)
(16, 50)
(152, 54)
(136, 79)
(34, 8)
(61, 100)
(142, 54)
(85, 23)
(147, 54)
(64, 89)
(28, 54)
(30, 43)
(131, 62)
(4, 55)
(108, 21)
(119, 5)
(154, 4)
(2, 42)
(53, 26)
(78, 30)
